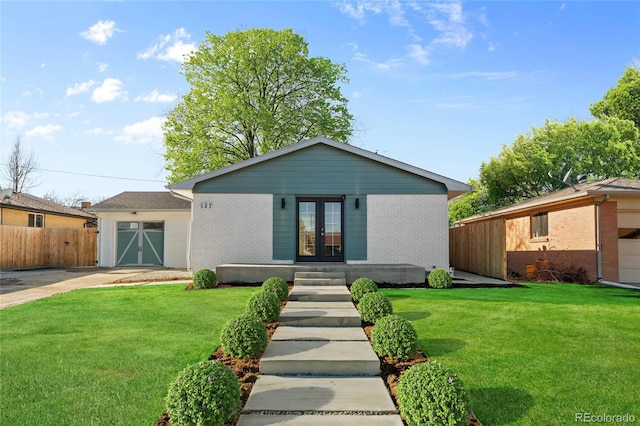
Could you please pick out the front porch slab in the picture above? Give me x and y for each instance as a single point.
(241, 273)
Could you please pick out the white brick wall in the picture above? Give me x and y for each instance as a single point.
(408, 229)
(231, 228)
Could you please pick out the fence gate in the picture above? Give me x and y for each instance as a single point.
(140, 243)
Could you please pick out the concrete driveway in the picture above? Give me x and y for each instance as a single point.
(17, 287)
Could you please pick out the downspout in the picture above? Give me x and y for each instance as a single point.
(599, 236)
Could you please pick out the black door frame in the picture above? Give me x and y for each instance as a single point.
(320, 230)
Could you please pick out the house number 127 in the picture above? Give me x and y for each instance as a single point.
(206, 204)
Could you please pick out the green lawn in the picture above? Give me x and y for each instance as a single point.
(534, 356)
(528, 356)
(105, 356)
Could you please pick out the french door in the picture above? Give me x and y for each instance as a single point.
(140, 243)
(320, 230)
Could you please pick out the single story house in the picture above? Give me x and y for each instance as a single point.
(21, 209)
(590, 229)
(319, 202)
(143, 228)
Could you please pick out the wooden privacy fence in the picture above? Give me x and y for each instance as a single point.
(480, 248)
(23, 247)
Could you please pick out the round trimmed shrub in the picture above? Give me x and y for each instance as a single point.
(207, 393)
(395, 337)
(362, 286)
(439, 278)
(429, 394)
(264, 305)
(204, 278)
(244, 336)
(278, 286)
(374, 306)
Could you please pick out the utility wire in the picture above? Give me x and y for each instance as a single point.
(93, 175)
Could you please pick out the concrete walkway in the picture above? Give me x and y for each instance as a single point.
(319, 367)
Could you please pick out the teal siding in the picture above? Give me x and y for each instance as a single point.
(320, 170)
(355, 229)
(284, 228)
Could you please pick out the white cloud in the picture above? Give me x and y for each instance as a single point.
(360, 9)
(100, 32)
(418, 53)
(102, 67)
(95, 131)
(170, 47)
(488, 75)
(450, 21)
(109, 90)
(42, 65)
(19, 119)
(143, 131)
(392, 63)
(156, 97)
(78, 88)
(44, 132)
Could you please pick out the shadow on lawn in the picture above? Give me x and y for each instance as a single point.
(498, 406)
(439, 347)
(415, 315)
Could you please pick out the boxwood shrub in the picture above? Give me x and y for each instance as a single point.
(204, 278)
(362, 286)
(207, 393)
(244, 336)
(395, 337)
(439, 278)
(374, 306)
(264, 305)
(278, 286)
(429, 394)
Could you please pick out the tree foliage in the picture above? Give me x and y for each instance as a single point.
(468, 204)
(538, 160)
(20, 168)
(622, 101)
(252, 92)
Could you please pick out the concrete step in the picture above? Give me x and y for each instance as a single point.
(319, 420)
(319, 275)
(313, 304)
(335, 334)
(320, 281)
(320, 358)
(322, 395)
(320, 293)
(320, 317)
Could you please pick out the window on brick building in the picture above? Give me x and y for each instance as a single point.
(540, 225)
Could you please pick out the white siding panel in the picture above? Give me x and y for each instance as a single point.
(231, 228)
(410, 229)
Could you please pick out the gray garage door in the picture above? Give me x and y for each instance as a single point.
(140, 243)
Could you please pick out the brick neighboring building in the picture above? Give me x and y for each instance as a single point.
(21, 209)
(591, 229)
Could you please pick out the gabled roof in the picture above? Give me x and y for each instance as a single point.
(142, 201)
(611, 186)
(454, 187)
(22, 201)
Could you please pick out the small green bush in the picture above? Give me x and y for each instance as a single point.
(204, 278)
(264, 305)
(362, 286)
(374, 306)
(278, 286)
(395, 337)
(429, 394)
(207, 393)
(244, 336)
(439, 278)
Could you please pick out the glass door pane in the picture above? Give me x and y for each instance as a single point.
(332, 228)
(306, 228)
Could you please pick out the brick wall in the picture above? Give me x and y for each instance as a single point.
(609, 240)
(231, 228)
(408, 229)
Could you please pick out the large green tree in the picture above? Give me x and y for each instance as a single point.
(538, 161)
(622, 101)
(252, 92)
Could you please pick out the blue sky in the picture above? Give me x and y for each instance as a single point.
(438, 85)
